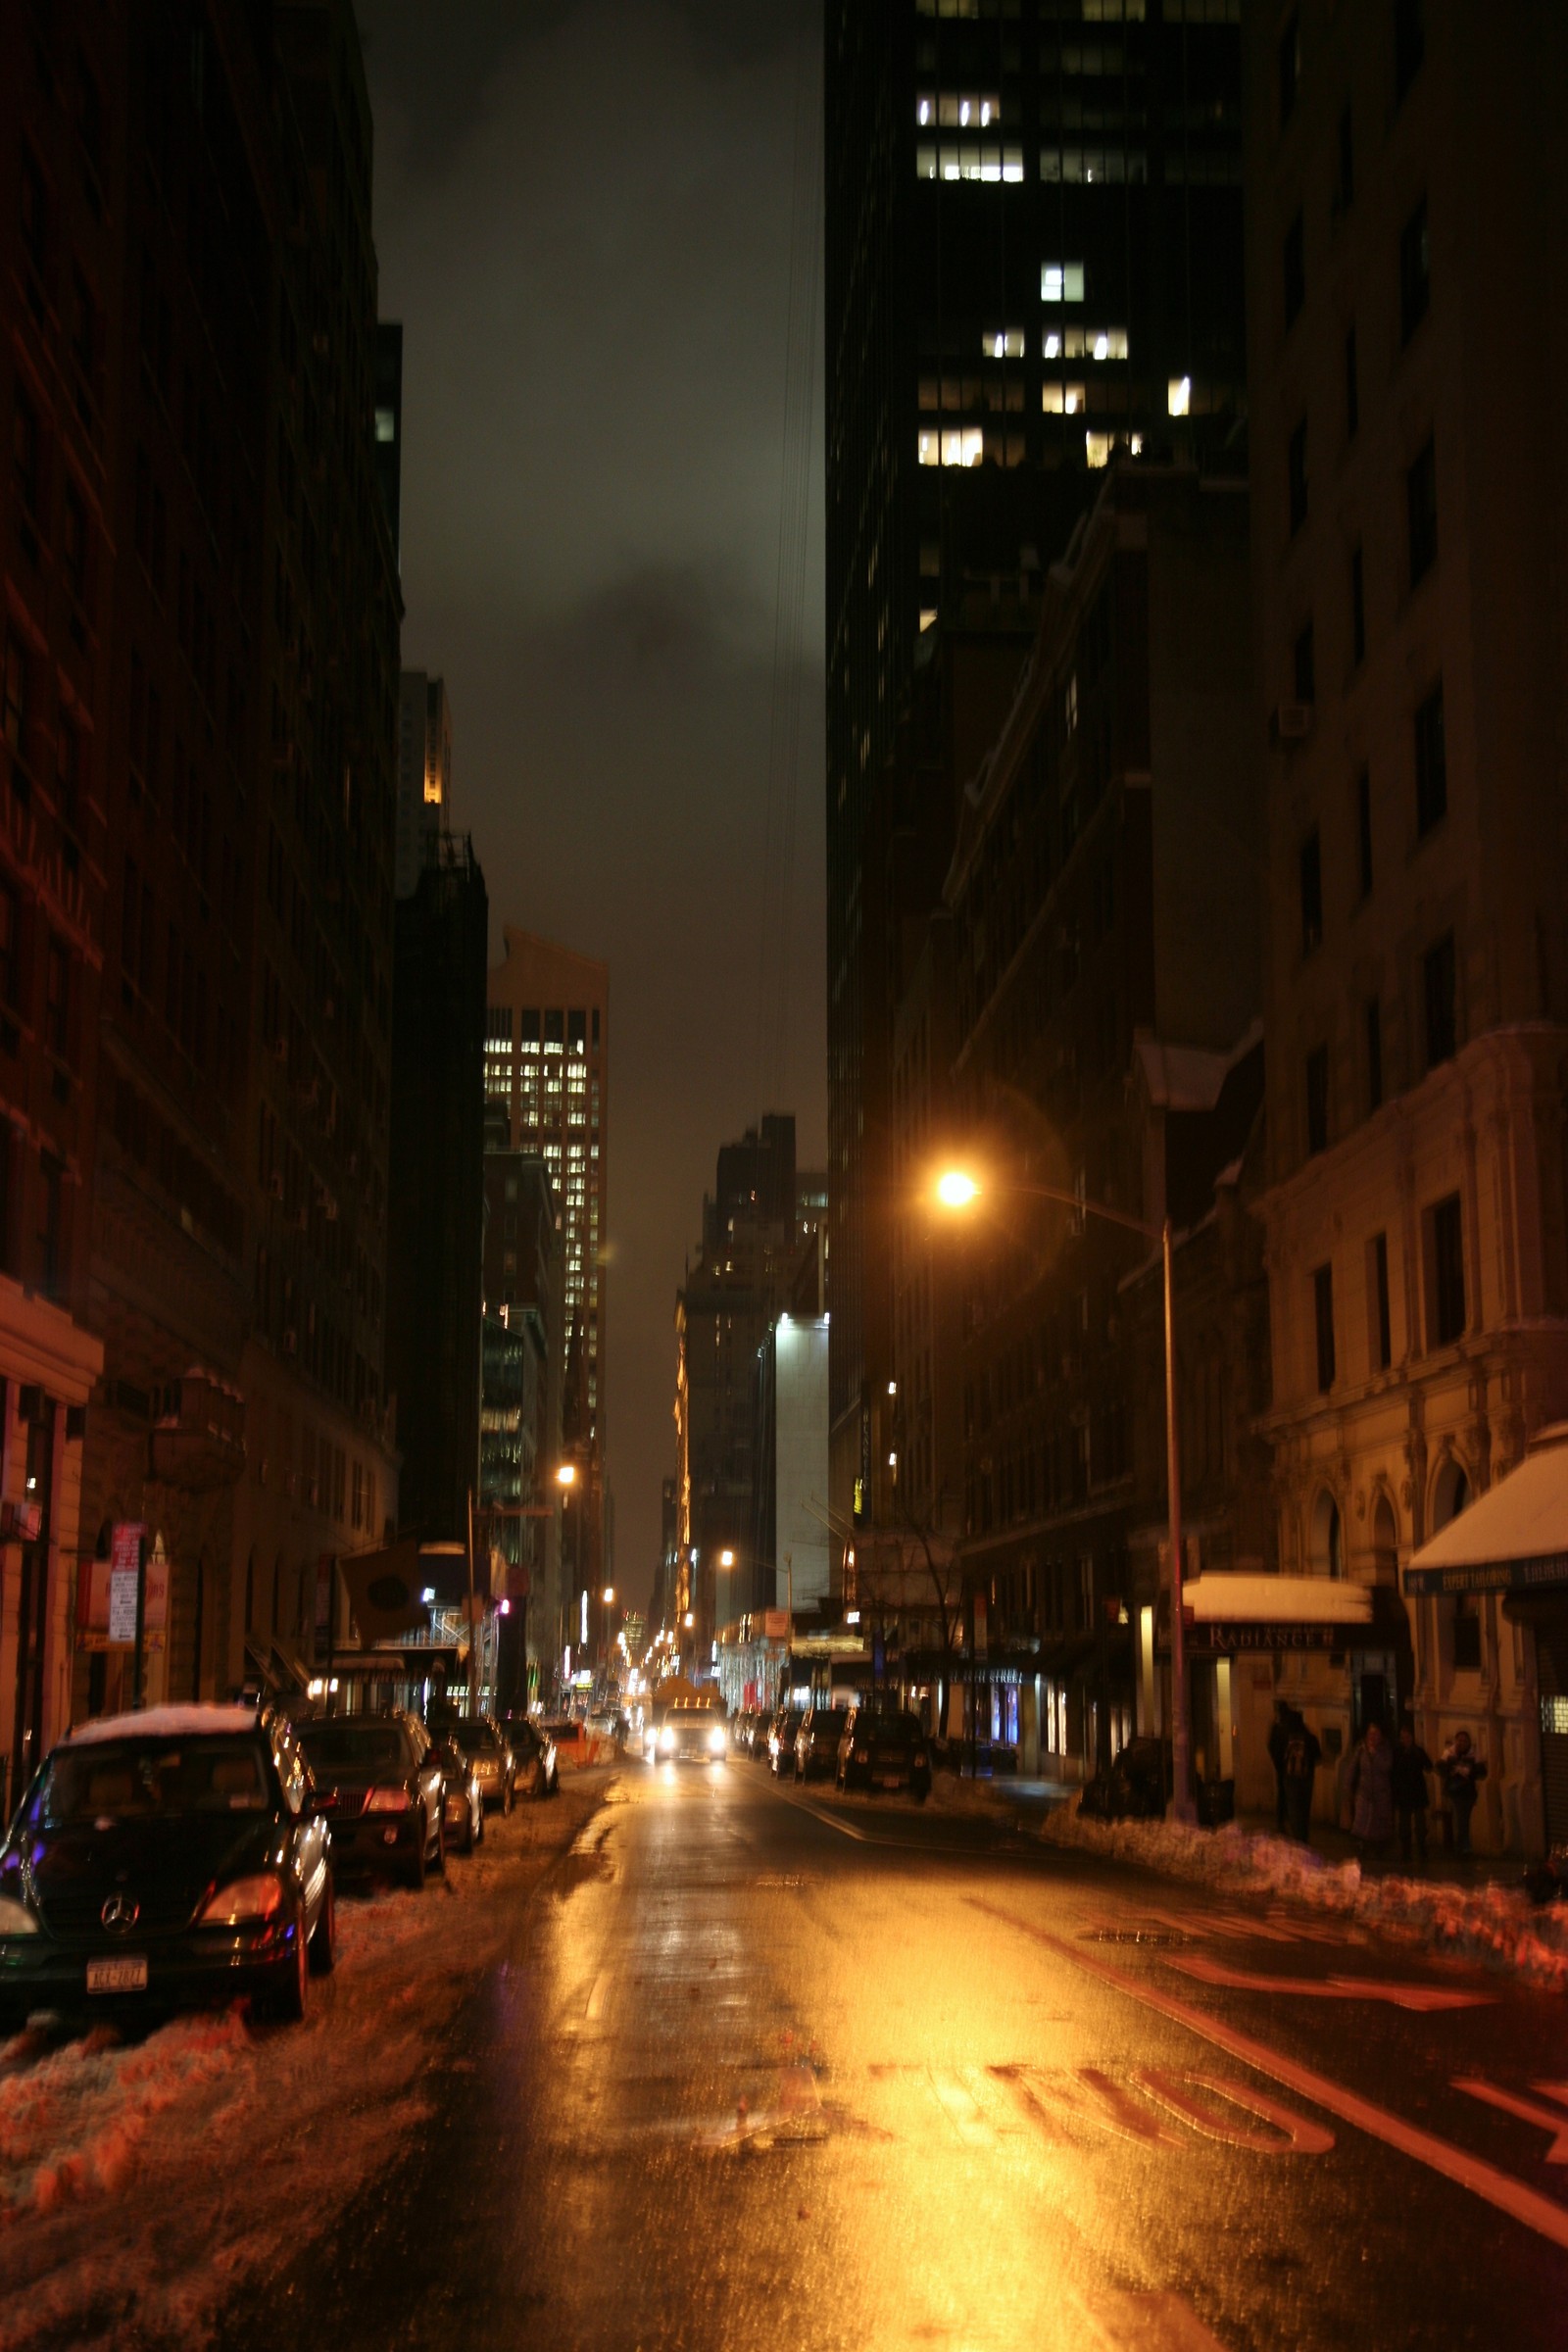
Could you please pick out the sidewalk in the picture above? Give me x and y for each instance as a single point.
(1474, 1910)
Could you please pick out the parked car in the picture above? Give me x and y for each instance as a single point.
(164, 1860)
(763, 1734)
(884, 1748)
(781, 1740)
(816, 1742)
(379, 1783)
(534, 1754)
(481, 1740)
(463, 1800)
(740, 1730)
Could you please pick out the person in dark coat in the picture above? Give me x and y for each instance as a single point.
(1412, 1764)
(1372, 1794)
(1462, 1775)
(1279, 1732)
(1302, 1756)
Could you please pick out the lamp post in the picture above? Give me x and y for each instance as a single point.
(565, 1482)
(958, 1190)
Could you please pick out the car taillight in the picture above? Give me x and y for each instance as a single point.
(920, 1761)
(862, 1755)
(243, 1899)
(387, 1800)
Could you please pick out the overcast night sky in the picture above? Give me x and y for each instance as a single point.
(582, 216)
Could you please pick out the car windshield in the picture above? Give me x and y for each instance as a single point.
(474, 1738)
(893, 1727)
(142, 1779)
(354, 1746)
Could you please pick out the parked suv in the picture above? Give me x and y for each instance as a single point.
(884, 1748)
(816, 1742)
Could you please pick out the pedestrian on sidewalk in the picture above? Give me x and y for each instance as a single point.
(1372, 1794)
(1278, 1735)
(1303, 1754)
(1462, 1774)
(1409, 1771)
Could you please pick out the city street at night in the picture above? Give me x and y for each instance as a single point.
(741, 2058)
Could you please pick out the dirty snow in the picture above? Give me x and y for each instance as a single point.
(143, 2179)
(1488, 1921)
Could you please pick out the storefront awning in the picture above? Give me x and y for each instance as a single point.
(1513, 1538)
(1226, 1613)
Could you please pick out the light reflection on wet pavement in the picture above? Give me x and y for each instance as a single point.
(740, 2073)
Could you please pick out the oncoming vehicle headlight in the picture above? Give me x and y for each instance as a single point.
(666, 1740)
(15, 1918)
(257, 1897)
(716, 1741)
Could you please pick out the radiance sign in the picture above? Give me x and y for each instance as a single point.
(1213, 1637)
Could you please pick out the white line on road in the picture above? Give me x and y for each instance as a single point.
(1544, 2214)
(1527, 2110)
(596, 2000)
(1420, 1997)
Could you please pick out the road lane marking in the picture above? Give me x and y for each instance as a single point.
(1556, 2123)
(1420, 1997)
(961, 2108)
(1301, 2138)
(596, 2000)
(1526, 2206)
(1114, 2322)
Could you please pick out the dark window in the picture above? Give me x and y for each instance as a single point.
(1438, 974)
(1421, 509)
(1466, 1635)
(1296, 476)
(34, 215)
(1446, 1249)
(1295, 271)
(1311, 870)
(1415, 271)
(1289, 65)
(1382, 1327)
(1409, 44)
(10, 946)
(57, 999)
(14, 694)
(51, 1210)
(1357, 608)
(1352, 388)
(1374, 1053)
(24, 453)
(1304, 667)
(83, 326)
(68, 771)
(1344, 164)
(1317, 1100)
(73, 543)
(1431, 763)
(1363, 829)
(1323, 1322)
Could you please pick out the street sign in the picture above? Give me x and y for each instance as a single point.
(122, 1608)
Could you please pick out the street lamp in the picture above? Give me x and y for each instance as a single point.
(566, 1475)
(957, 1188)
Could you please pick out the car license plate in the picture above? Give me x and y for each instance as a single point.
(888, 1779)
(127, 1975)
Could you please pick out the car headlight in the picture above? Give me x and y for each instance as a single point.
(387, 1800)
(715, 1743)
(243, 1899)
(15, 1918)
(666, 1740)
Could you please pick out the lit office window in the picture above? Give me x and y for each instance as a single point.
(1003, 343)
(1061, 281)
(928, 618)
(1084, 342)
(965, 447)
(1098, 447)
(1179, 396)
(970, 159)
(1063, 400)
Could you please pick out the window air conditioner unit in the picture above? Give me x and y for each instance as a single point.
(1291, 723)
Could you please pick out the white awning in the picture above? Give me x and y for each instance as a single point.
(1511, 1539)
(1238, 1598)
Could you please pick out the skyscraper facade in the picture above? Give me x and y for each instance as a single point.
(1407, 214)
(547, 1075)
(1033, 261)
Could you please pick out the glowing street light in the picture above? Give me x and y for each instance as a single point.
(726, 1559)
(609, 1594)
(957, 1188)
(566, 1475)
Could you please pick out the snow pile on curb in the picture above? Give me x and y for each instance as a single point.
(1492, 1923)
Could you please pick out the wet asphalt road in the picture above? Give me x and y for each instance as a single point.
(758, 2069)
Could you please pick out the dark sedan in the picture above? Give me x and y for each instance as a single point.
(483, 1743)
(883, 1748)
(165, 1860)
(381, 1785)
(463, 1802)
(816, 1743)
(534, 1754)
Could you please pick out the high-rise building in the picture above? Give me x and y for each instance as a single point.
(547, 1088)
(425, 773)
(436, 1218)
(389, 426)
(522, 1296)
(1407, 205)
(1034, 260)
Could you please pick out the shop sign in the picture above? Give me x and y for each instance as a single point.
(1490, 1576)
(776, 1625)
(1212, 1637)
